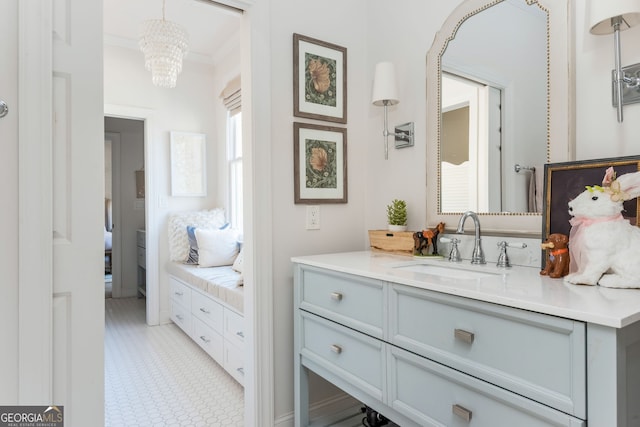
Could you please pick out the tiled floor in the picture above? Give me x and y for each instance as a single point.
(157, 376)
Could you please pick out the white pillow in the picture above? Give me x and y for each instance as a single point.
(237, 264)
(178, 239)
(216, 247)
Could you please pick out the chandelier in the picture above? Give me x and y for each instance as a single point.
(164, 44)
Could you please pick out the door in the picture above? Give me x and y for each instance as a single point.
(78, 210)
(116, 221)
(9, 197)
(60, 167)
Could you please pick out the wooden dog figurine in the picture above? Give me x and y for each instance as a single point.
(557, 264)
(424, 239)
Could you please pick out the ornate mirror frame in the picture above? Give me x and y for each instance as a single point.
(560, 111)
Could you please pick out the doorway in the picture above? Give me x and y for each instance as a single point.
(125, 206)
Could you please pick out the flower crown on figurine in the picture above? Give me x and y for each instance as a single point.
(610, 186)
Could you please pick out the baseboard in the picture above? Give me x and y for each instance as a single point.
(319, 409)
(165, 317)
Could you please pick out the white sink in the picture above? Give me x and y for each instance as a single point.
(454, 271)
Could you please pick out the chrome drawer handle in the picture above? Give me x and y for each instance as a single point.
(240, 334)
(179, 317)
(204, 311)
(203, 338)
(178, 293)
(463, 335)
(462, 412)
(337, 296)
(240, 370)
(336, 349)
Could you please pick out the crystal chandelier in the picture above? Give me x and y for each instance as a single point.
(164, 44)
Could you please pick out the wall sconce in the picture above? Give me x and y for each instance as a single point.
(613, 16)
(385, 93)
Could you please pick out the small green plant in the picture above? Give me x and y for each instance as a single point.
(397, 212)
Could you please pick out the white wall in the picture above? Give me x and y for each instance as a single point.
(341, 225)
(598, 134)
(189, 107)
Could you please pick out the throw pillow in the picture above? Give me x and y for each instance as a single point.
(192, 258)
(216, 247)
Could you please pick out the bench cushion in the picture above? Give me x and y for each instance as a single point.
(221, 282)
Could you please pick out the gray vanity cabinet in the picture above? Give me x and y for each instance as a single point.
(426, 358)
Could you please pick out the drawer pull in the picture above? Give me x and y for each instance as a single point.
(240, 371)
(240, 334)
(205, 311)
(463, 335)
(462, 412)
(203, 338)
(336, 349)
(179, 317)
(337, 296)
(178, 293)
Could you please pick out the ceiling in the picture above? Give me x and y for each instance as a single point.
(213, 29)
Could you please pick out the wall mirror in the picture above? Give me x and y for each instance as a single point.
(499, 105)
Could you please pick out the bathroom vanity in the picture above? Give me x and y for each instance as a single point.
(431, 343)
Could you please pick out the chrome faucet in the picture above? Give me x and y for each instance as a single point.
(478, 256)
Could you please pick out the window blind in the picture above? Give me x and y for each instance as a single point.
(231, 96)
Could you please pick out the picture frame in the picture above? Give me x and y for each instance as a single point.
(188, 164)
(319, 80)
(319, 164)
(565, 181)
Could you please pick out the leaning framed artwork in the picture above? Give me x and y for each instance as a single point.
(320, 164)
(319, 80)
(188, 164)
(564, 181)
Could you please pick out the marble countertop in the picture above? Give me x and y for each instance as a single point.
(519, 287)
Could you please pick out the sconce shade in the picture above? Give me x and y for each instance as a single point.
(384, 85)
(603, 10)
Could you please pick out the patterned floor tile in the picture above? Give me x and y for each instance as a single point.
(157, 376)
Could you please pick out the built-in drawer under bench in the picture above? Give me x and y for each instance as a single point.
(213, 324)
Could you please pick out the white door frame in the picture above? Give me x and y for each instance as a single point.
(152, 271)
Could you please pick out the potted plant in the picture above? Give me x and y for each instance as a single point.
(397, 215)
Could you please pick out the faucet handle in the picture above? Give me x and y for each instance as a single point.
(503, 258)
(454, 254)
(519, 245)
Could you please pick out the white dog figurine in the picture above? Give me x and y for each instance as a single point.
(604, 247)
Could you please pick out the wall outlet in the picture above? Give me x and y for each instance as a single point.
(313, 217)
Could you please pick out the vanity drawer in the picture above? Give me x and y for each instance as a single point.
(344, 354)
(181, 316)
(207, 310)
(180, 292)
(538, 356)
(208, 339)
(353, 301)
(434, 395)
(234, 328)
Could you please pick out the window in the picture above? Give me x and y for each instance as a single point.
(234, 161)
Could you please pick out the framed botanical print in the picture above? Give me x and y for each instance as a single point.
(320, 164)
(319, 80)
